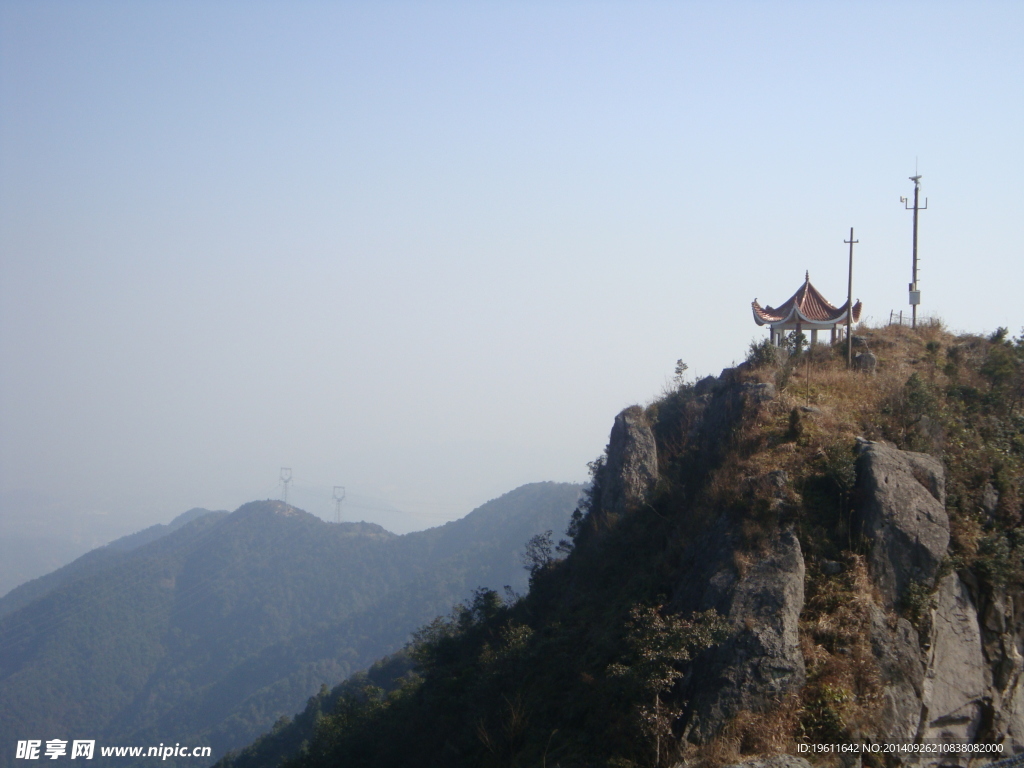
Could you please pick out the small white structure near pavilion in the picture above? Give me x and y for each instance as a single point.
(806, 310)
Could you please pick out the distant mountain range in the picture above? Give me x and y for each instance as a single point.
(206, 630)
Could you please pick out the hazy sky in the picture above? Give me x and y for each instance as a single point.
(428, 250)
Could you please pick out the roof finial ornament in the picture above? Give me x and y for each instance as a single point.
(807, 276)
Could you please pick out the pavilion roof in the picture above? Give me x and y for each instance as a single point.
(806, 305)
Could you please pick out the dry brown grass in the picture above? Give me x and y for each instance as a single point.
(848, 403)
(749, 733)
(842, 672)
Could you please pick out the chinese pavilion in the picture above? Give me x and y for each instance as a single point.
(805, 310)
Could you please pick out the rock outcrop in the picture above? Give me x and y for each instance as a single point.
(958, 677)
(956, 682)
(865, 362)
(1001, 621)
(761, 662)
(631, 466)
(762, 596)
(962, 681)
(724, 405)
(903, 518)
(897, 651)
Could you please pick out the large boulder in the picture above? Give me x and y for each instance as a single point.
(902, 514)
(865, 362)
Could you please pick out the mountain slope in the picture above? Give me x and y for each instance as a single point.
(211, 632)
(94, 561)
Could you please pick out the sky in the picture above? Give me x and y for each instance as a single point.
(427, 251)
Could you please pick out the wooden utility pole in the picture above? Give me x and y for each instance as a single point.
(915, 293)
(849, 305)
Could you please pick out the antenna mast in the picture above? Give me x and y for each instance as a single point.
(286, 479)
(338, 496)
(915, 293)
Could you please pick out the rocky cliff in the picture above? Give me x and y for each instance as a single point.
(955, 678)
(959, 680)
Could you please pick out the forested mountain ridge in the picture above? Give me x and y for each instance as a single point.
(96, 560)
(209, 633)
(791, 553)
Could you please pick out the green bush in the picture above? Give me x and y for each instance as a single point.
(762, 354)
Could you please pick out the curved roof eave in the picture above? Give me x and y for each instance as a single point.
(828, 321)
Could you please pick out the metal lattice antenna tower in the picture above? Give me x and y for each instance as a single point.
(286, 479)
(915, 293)
(338, 496)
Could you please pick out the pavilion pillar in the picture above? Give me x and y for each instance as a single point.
(814, 336)
(833, 334)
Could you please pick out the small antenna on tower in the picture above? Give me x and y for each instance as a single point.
(286, 479)
(338, 496)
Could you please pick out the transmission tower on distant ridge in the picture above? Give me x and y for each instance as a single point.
(338, 496)
(286, 479)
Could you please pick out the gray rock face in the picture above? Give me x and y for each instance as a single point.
(632, 465)
(1002, 637)
(757, 393)
(903, 516)
(957, 679)
(761, 662)
(990, 500)
(725, 407)
(896, 648)
(706, 386)
(775, 761)
(968, 684)
(865, 362)
(1009, 717)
